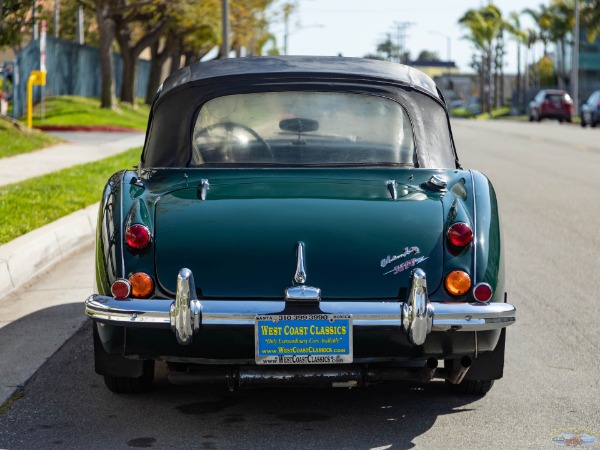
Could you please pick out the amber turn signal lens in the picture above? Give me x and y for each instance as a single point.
(141, 285)
(458, 282)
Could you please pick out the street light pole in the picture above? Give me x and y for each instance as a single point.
(449, 49)
(225, 33)
(575, 64)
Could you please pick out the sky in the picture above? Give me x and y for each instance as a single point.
(354, 28)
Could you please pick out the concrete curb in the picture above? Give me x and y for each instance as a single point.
(30, 254)
(108, 128)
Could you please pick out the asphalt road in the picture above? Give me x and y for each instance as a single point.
(546, 179)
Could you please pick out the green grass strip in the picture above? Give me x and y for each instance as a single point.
(14, 141)
(38, 201)
(72, 111)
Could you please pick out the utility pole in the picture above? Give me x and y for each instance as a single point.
(287, 10)
(56, 18)
(401, 35)
(34, 29)
(80, 37)
(225, 26)
(575, 64)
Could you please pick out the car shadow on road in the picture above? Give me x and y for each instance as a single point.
(66, 392)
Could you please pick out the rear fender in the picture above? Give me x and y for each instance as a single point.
(125, 201)
(489, 252)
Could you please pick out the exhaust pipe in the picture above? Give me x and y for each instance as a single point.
(429, 370)
(347, 376)
(459, 370)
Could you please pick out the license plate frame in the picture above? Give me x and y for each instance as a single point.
(303, 339)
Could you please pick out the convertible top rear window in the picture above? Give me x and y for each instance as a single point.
(302, 129)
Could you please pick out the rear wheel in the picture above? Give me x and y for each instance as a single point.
(474, 387)
(131, 385)
(121, 375)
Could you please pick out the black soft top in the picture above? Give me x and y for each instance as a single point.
(168, 139)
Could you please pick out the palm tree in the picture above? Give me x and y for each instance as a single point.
(562, 21)
(485, 25)
(520, 36)
(542, 19)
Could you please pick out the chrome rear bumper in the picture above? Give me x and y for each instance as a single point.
(186, 314)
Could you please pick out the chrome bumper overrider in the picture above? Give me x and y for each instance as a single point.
(186, 315)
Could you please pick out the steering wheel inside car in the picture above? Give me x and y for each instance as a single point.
(231, 133)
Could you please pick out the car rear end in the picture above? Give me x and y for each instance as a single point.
(309, 224)
(557, 105)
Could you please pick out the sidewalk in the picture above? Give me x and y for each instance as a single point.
(38, 315)
(28, 255)
(60, 156)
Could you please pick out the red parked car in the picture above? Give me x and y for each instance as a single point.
(551, 104)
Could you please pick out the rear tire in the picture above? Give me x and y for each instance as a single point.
(474, 387)
(130, 385)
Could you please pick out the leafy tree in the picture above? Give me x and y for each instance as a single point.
(388, 49)
(192, 33)
(249, 24)
(427, 55)
(15, 17)
(590, 18)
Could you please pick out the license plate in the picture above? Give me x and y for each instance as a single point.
(303, 339)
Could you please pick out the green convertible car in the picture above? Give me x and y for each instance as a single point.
(299, 221)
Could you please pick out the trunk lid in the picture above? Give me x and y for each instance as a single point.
(241, 241)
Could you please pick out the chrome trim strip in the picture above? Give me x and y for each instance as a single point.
(122, 230)
(303, 293)
(156, 313)
(391, 184)
(474, 247)
(205, 186)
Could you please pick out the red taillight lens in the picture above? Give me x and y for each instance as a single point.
(141, 285)
(120, 289)
(460, 235)
(483, 292)
(137, 236)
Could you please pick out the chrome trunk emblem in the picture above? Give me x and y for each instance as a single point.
(300, 292)
(300, 276)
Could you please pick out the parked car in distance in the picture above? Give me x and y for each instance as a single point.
(590, 110)
(551, 104)
(299, 221)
